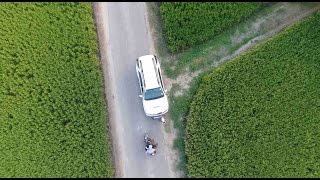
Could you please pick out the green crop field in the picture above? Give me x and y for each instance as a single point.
(259, 115)
(187, 24)
(52, 109)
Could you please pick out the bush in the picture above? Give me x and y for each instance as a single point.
(191, 23)
(258, 116)
(52, 109)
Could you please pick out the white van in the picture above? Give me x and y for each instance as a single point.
(153, 93)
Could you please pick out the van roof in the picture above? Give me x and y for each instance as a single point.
(149, 71)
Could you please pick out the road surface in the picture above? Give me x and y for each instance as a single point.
(124, 36)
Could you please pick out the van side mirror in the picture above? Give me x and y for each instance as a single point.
(140, 95)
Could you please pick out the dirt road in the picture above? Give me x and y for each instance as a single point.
(123, 36)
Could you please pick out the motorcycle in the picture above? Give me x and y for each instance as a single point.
(150, 145)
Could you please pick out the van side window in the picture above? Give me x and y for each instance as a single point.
(156, 59)
(160, 78)
(140, 81)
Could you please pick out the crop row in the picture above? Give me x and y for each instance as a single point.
(187, 24)
(52, 109)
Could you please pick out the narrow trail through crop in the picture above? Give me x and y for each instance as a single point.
(262, 28)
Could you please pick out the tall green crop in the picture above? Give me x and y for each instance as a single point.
(191, 23)
(259, 115)
(52, 110)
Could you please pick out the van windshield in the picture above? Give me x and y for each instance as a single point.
(155, 93)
